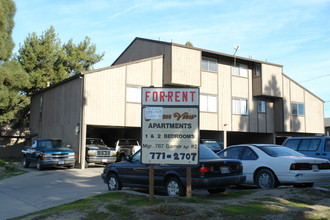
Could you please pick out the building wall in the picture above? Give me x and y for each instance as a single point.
(105, 92)
(59, 112)
(312, 121)
(186, 67)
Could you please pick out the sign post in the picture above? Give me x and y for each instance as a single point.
(170, 126)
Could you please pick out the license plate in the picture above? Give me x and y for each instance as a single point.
(224, 169)
(60, 162)
(104, 160)
(315, 168)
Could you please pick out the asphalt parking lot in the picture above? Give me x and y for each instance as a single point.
(38, 190)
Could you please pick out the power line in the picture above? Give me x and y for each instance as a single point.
(315, 78)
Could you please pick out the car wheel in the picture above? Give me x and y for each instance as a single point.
(39, 166)
(216, 191)
(26, 162)
(174, 187)
(113, 182)
(265, 179)
(86, 164)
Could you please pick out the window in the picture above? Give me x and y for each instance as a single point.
(261, 106)
(327, 145)
(309, 144)
(209, 64)
(292, 144)
(257, 69)
(240, 70)
(297, 109)
(231, 153)
(133, 94)
(240, 106)
(208, 103)
(248, 154)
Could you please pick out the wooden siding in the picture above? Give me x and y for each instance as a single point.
(240, 87)
(208, 121)
(314, 107)
(105, 92)
(186, 66)
(209, 83)
(61, 112)
(312, 121)
(105, 97)
(224, 97)
(271, 80)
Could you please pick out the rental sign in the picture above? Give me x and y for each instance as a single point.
(170, 126)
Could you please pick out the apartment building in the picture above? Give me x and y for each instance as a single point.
(241, 100)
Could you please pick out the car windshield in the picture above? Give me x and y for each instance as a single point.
(128, 142)
(51, 144)
(96, 141)
(212, 144)
(278, 151)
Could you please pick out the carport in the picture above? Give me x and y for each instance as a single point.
(111, 134)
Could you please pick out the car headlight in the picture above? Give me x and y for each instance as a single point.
(91, 152)
(72, 155)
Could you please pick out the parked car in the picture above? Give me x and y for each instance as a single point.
(212, 173)
(318, 146)
(48, 153)
(269, 166)
(214, 145)
(97, 152)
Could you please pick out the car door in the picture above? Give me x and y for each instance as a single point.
(249, 160)
(133, 172)
(326, 153)
(31, 154)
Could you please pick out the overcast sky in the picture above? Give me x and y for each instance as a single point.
(292, 33)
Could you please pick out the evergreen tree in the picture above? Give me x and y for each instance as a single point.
(7, 12)
(47, 61)
(12, 76)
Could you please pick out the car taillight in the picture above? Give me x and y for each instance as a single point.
(301, 166)
(240, 167)
(204, 169)
(324, 166)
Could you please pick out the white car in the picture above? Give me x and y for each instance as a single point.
(269, 166)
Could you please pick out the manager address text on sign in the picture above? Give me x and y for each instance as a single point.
(170, 126)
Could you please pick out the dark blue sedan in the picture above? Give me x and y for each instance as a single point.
(212, 173)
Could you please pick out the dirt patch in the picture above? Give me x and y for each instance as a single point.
(285, 203)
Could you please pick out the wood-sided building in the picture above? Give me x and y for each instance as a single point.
(241, 100)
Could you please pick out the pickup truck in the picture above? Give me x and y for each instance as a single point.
(126, 147)
(48, 153)
(97, 152)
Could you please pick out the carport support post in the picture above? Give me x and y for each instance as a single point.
(188, 179)
(151, 183)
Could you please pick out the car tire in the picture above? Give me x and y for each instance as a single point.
(265, 179)
(216, 191)
(39, 165)
(113, 182)
(174, 187)
(26, 162)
